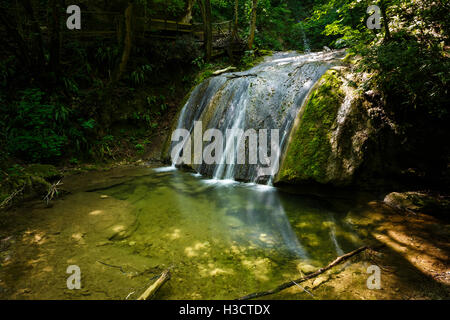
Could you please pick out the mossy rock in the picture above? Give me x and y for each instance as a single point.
(310, 148)
(45, 171)
(34, 181)
(419, 202)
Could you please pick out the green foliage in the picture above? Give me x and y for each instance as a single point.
(411, 76)
(104, 147)
(139, 76)
(199, 62)
(140, 148)
(170, 9)
(72, 110)
(409, 65)
(15, 170)
(252, 58)
(70, 85)
(40, 129)
(45, 171)
(276, 24)
(35, 128)
(203, 76)
(89, 124)
(27, 180)
(7, 70)
(104, 57)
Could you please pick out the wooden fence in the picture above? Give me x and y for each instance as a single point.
(110, 25)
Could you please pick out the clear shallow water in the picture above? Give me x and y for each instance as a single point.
(225, 239)
(222, 240)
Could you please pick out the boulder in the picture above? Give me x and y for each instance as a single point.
(328, 141)
(419, 202)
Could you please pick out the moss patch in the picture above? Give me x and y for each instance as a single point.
(309, 150)
(28, 182)
(44, 171)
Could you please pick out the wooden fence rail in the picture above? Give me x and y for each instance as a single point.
(108, 24)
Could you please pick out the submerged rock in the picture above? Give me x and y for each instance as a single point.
(306, 268)
(419, 202)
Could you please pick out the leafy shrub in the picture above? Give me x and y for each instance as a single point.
(139, 75)
(34, 129)
(104, 147)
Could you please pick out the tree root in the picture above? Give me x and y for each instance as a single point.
(291, 283)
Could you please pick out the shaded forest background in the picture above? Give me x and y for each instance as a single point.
(65, 100)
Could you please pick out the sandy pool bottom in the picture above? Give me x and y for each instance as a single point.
(220, 240)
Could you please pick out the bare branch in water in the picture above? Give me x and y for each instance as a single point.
(8, 201)
(52, 191)
(291, 283)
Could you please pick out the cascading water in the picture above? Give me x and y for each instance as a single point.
(268, 96)
(306, 46)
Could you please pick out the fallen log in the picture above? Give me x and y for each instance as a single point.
(150, 292)
(219, 72)
(291, 283)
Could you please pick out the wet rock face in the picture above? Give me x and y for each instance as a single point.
(349, 135)
(328, 144)
(330, 131)
(268, 96)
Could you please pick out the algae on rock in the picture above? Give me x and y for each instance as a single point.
(327, 143)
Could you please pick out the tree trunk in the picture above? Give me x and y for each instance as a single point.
(21, 49)
(55, 37)
(128, 42)
(251, 37)
(236, 19)
(387, 32)
(188, 16)
(205, 6)
(37, 35)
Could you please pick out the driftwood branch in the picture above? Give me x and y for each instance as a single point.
(291, 283)
(150, 292)
(219, 72)
(9, 200)
(52, 191)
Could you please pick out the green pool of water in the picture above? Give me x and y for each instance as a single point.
(221, 240)
(224, 239)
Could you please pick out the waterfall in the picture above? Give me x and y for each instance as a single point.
(306, 46)
(269, 96)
